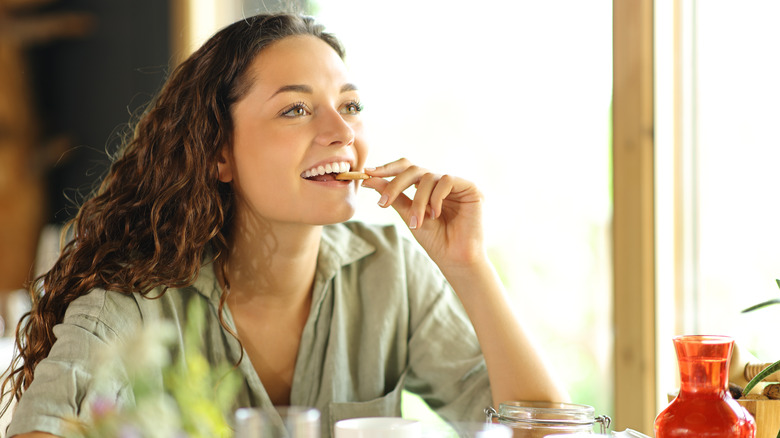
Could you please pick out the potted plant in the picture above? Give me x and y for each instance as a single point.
(766, 372)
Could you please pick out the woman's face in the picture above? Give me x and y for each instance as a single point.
(300, 117)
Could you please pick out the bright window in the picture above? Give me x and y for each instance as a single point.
(738, 114)
(722, 197)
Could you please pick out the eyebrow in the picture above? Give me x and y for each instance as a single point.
(348, 87)
(298, 88)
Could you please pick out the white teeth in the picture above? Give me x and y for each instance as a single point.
(335, 167)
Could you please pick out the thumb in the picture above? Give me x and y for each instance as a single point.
(401, 204)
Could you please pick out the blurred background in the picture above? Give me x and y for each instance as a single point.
(515, 95)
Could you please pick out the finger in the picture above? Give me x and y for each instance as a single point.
(381, 186)
(402, 204)
(389, 169)
(402, 181)
(443, 189)
(375, 183)
(378, 184)
(425, 186)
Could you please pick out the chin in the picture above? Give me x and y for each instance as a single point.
(335, 217)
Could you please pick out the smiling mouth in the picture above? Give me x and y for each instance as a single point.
(327, 172)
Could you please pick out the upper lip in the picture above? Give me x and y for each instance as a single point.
(332, 165)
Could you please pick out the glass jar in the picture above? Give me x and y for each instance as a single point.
(539, 419)
(278, 422)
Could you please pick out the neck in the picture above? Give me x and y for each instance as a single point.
(273, 263)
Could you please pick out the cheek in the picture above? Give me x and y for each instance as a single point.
(362, 153)
(268, 166)
(361, 145)
(266, 152)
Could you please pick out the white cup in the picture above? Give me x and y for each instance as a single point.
(377, 427)
(466, 429)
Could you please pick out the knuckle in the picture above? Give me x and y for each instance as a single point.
(394, 189)
(428, 178)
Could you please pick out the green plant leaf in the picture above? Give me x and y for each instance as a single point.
(765, 303)
(761, 376)
(760, 305)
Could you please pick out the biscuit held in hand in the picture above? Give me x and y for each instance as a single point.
(348, 176)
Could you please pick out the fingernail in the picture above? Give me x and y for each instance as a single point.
(383, 201)
(413, 223)
(370, 169)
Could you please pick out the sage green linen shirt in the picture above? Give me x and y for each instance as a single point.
(383, 319)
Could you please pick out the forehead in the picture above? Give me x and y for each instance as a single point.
(300, 59)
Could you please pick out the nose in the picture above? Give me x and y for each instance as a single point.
(333, 130)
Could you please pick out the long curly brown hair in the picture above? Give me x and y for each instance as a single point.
(161, 209)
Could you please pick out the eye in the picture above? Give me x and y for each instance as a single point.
(295, 110)
(352, 108)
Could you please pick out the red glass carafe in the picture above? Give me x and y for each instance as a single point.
(704, 408)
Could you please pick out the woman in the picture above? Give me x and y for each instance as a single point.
(226, 194)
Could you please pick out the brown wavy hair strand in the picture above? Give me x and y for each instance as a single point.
(161, 207)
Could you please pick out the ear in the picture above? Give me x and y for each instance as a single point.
(224, 165)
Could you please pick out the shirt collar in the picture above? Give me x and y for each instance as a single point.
(340, 246)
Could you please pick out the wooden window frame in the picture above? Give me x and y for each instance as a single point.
(633, 216)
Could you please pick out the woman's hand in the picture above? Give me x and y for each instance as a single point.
(445, 214)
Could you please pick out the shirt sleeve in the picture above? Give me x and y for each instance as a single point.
(446, 365)
(63, 388)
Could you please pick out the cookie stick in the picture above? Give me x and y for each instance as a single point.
(347, 176)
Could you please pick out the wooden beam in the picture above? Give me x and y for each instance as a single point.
(633, 226)
(181, 40)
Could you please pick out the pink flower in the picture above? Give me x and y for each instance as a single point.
(102, 406)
